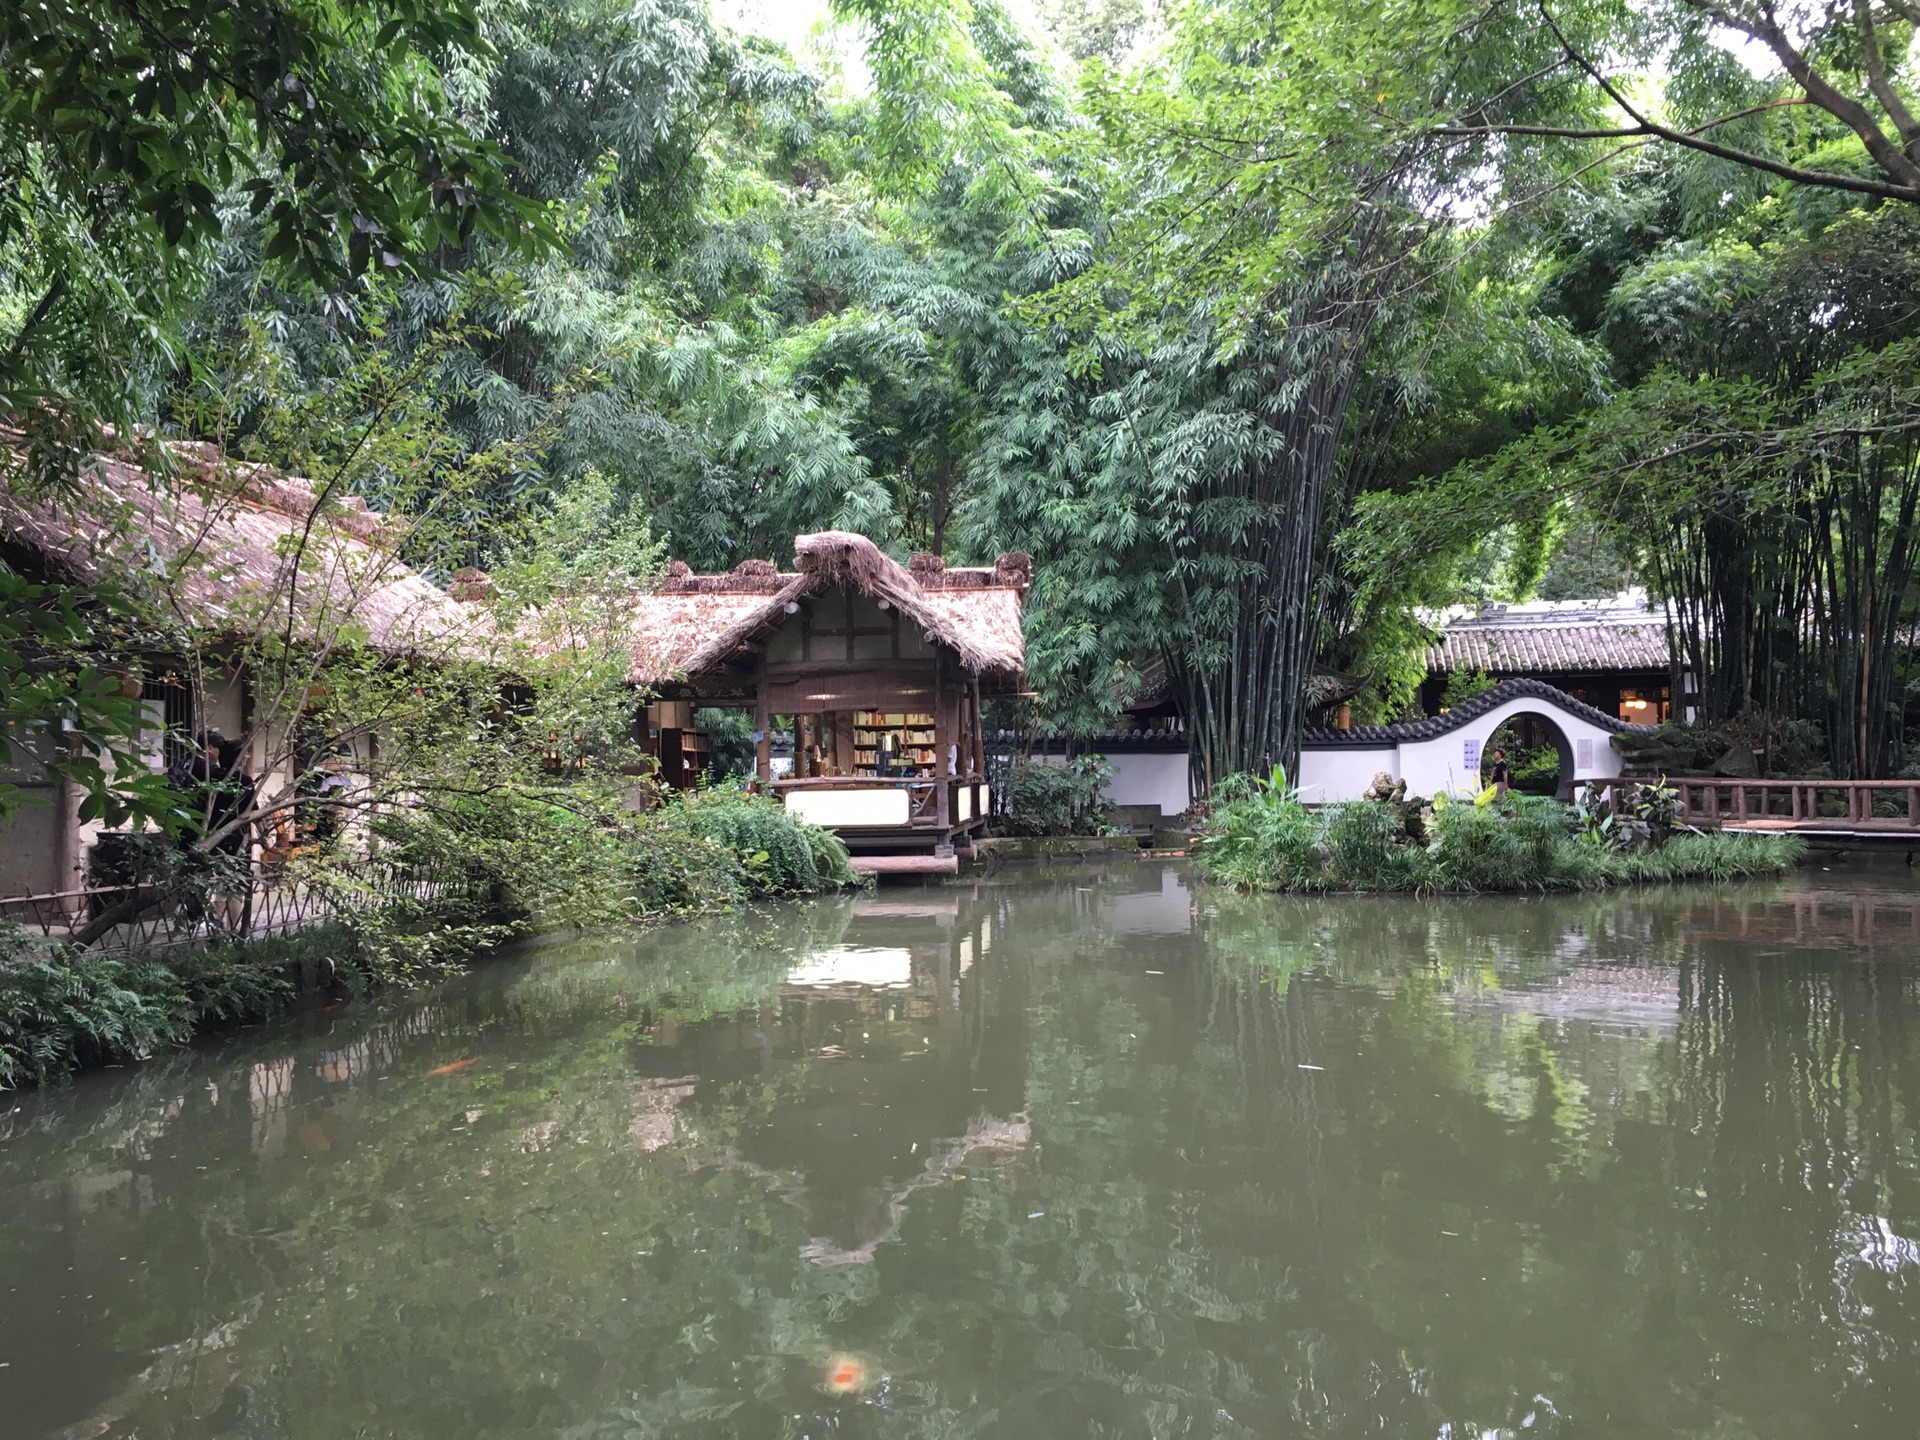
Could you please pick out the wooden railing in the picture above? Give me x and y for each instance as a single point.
(273, 905)
(1883, 804)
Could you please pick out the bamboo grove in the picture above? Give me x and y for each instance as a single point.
(1265, 329)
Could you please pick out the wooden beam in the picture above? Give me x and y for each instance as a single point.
(905, 864)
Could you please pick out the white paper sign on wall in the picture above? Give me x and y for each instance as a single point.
(1583, 754)
(1470, 756)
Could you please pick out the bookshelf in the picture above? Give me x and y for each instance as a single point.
(913, 741)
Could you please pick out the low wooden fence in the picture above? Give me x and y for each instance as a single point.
(1852, 804)
(276, 905)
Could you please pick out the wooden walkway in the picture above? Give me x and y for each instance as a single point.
(1854, 814)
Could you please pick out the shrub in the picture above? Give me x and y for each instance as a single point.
(1367, 848)
(1041, 798)
(72, 1008)
(777, 853)
(1259, 836)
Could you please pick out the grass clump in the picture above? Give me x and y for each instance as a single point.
(1259, 836)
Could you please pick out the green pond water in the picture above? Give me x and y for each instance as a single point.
(1070, 1153)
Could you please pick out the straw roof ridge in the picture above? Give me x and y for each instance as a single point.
(691, 623)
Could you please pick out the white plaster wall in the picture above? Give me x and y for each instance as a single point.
(1150, 779)
(1431, 767)
(30, 861)
(1343, 774)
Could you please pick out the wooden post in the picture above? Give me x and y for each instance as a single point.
(1913, 805)
(763, 727)
(942, 745)
(979, 732)
(1739, 800)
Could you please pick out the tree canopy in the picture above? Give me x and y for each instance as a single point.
(1266, 330)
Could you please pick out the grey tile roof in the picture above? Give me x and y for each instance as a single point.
(1547, 646)
(1380, 736)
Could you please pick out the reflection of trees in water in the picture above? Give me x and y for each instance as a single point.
(1672, 1226)
(1796, 1086)
(1707, 1194)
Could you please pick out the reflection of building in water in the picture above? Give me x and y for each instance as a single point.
(888, 1071)
(269, 1094)
(1165, 909)
(1863, 916)
(1640, 996)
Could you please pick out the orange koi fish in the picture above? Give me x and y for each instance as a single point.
(845, 1375)
(449, 1068)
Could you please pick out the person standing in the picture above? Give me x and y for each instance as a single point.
(1501, 776)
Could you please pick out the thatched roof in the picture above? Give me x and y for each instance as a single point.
(225, 541)
(692, 623)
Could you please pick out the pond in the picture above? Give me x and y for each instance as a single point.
(1069, 1153)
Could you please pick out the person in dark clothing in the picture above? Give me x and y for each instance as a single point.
(216, 778)
(233, 796)
(1501, 777)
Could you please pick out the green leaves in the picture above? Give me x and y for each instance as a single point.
(942, 109)
(121, 128)
(67, 714)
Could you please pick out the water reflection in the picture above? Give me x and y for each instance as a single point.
(1075, 1153)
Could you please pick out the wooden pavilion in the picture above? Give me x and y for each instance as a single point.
(878, 668)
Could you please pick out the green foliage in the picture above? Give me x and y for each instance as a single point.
(61, 1011)
(64, 709)
(731, 733)
(1463, 685)
(777, 853)
(574, 857)
(1259, 836)
(130, 138)
(1042, 798)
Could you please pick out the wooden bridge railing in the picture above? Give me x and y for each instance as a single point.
(1885, 804)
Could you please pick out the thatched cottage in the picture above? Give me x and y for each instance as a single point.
(221, 555)
(879, 668)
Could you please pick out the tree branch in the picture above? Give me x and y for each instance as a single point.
(1877, 81)
(1891, 159)
(55, 289)
(1903, 182)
